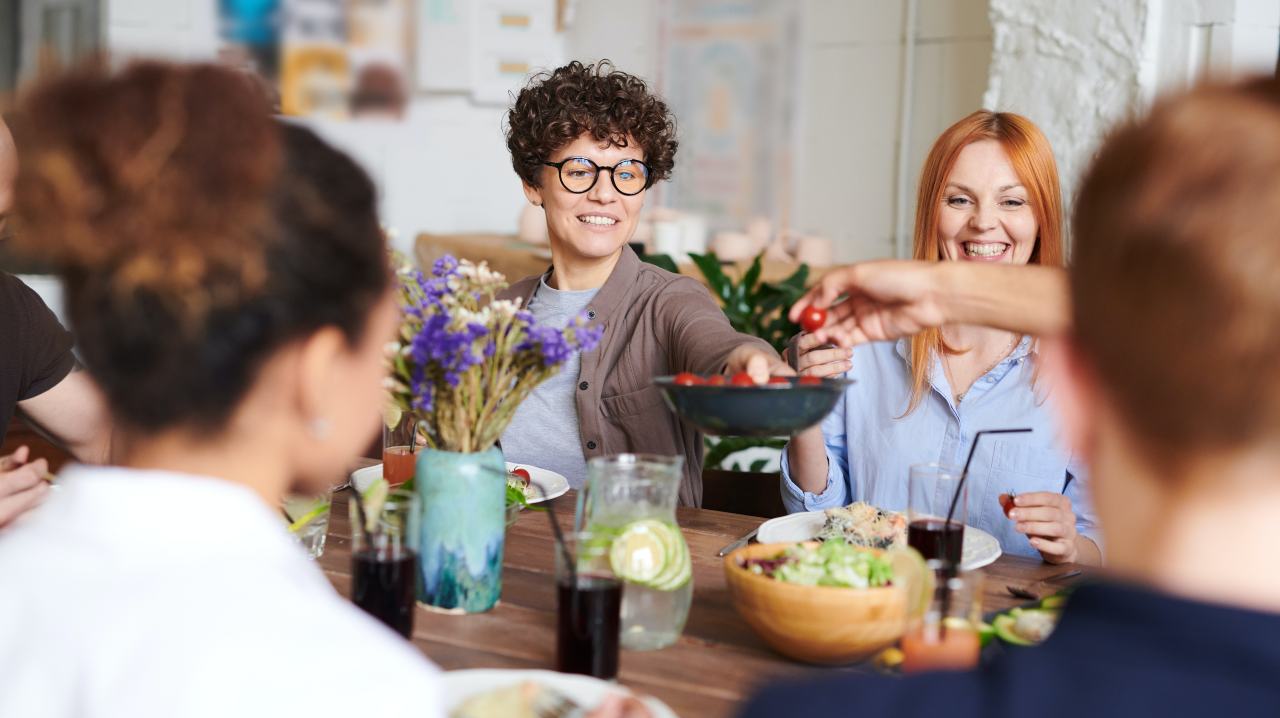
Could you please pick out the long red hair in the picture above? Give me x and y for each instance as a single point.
(1033, 162)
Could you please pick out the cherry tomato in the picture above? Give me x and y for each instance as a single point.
(522, 474)
(779, 380)
(717, 380)
(1006, 503)
(742, 379)
(808, 380)
(812, 319)
(684, 378)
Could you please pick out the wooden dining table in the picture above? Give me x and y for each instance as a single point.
(716, 664)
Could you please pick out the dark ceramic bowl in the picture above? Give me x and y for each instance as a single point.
(768, 410)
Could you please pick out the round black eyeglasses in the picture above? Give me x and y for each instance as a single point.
(579, 175)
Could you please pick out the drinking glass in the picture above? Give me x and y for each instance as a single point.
(384, 559)
(588, 611)
(399, 452)
(946, 636)
(308, 521)
(632, 498)
(930, 491)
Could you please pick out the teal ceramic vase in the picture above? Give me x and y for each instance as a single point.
(463, 524)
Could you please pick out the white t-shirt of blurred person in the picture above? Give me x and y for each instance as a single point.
(152, 594)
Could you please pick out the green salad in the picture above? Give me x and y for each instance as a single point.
(830, 563)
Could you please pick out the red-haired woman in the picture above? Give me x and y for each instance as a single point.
(988, 193)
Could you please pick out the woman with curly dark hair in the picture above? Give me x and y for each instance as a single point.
(587, 142)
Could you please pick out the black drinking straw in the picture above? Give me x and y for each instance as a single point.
(564, 550)
(950, 568)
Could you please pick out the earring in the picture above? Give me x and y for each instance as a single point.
(319, 429)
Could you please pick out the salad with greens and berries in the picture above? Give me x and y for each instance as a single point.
(830, 563)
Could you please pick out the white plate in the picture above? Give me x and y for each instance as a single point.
(550, 482)
(980, 548)
(584, 690)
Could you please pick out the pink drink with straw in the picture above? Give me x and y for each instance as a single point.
(397, 464)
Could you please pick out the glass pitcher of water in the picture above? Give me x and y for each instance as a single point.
(629, 501)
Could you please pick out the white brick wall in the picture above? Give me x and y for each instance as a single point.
(1076, 67)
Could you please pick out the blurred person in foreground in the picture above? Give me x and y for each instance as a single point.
(1165, 374)
(37, 377)
(228, 283)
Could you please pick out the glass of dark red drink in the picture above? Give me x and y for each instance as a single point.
(384, 559)
(588, 608)
(931, 489)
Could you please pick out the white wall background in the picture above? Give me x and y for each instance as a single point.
(445, 168)
(853, 116)
(1073, 67)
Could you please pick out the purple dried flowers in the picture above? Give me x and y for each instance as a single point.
(465, 360)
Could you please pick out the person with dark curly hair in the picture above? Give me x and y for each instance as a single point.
(228, 283)
(588, 141)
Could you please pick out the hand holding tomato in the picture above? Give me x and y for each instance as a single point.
(756, 363)
(882, 301)
(1049, 523)
(812, 318)
(817, 358)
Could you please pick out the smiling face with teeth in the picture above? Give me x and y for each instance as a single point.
(985, 215)
(588, 229)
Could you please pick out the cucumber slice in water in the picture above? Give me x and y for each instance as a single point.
(642, 551)
(679, 569)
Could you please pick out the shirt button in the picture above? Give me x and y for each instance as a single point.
(591, 314)
(583, 386)
(591, 445)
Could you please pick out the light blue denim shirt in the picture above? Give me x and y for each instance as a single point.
(870, 449)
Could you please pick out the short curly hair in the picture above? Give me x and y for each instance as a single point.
(556, 107)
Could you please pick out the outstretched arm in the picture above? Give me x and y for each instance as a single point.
(891, 299)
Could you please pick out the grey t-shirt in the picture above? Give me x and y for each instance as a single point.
(544, 431)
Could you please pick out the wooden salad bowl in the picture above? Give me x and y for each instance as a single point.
(815, 624)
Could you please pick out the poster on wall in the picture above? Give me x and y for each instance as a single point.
(443, 44)
(331, 59)
(509, 40)
(730, 73)
(486, 48)
(250, 34)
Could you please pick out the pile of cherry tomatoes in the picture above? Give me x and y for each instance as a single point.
(811, 319)
(739, 379)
